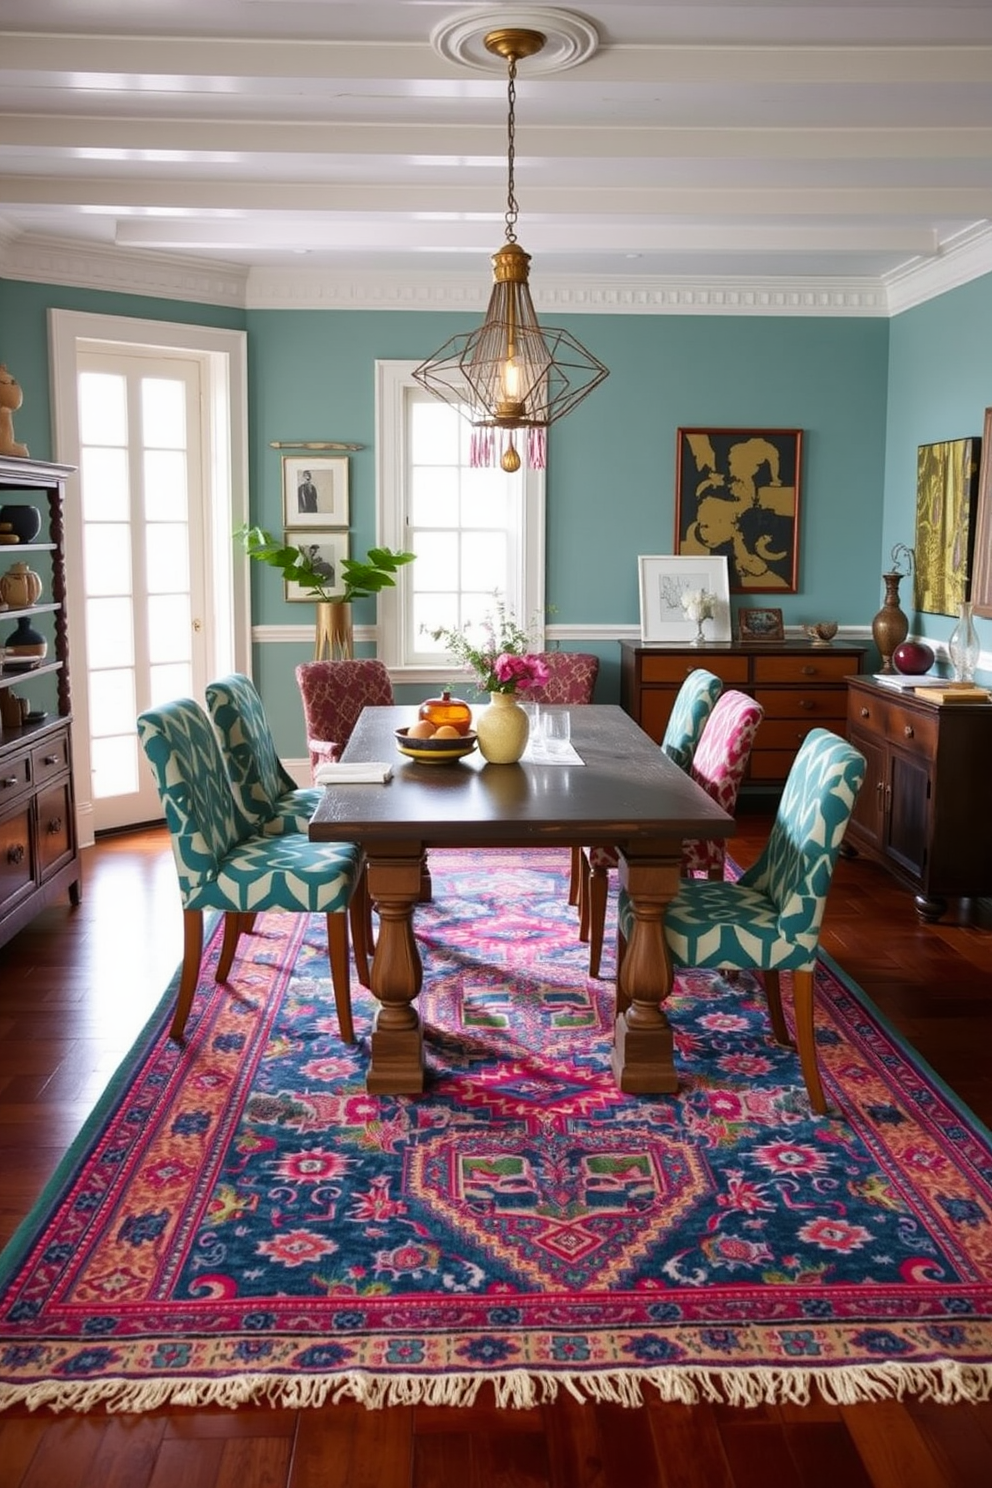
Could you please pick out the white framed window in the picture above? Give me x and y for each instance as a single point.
(476, 533)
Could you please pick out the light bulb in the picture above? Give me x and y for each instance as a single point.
(511, 380)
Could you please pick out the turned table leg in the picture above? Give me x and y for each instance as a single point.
(397, 1064)
(642, 1050)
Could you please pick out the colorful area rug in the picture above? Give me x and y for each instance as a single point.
(241, 1221)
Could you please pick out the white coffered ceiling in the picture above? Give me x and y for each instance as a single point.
(844, 141)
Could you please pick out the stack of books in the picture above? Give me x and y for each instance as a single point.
(955, 692)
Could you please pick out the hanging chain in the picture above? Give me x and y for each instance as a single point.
(511, 200)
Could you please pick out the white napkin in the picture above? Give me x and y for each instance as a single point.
(365, 772)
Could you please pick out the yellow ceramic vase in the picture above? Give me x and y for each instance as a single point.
(502, 728)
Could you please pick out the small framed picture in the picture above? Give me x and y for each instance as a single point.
(665, 579)
(760, 625)
(315, 491)
(324, 550)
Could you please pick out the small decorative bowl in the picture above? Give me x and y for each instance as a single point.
(822, 633)
(434, 751)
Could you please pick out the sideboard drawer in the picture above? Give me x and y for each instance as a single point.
(786, 733)
(676, 667)
(898, 724)
(825, 705)
(15, 776)
(50, 758)
(805, 668)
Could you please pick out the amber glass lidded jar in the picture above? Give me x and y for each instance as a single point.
(447, 710)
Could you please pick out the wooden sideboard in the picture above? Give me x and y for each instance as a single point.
(800, 686)
(925, 808)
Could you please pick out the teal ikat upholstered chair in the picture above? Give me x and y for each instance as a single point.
(224, 864)
(694, 702)
(263, 788)
(769, 920)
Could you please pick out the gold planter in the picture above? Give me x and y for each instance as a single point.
(335, 637)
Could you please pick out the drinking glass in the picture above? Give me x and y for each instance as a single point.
(556, 732)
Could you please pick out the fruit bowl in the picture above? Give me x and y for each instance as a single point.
(434, 751)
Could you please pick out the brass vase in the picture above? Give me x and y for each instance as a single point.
(890, 626)
(335, 636)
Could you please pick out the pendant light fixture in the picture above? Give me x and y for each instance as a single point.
(512, 377)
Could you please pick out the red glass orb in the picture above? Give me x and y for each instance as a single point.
(912, 658)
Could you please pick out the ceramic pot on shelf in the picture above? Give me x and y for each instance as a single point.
(335, 633)
(502, 728)
(20, 587)
(25, 645)
(890, 626)
(23, 521)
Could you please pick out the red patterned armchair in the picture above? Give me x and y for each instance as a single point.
(571, 678)
(334, 694)
(718, 765)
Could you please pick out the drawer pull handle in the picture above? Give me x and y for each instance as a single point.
(54, 826)
(865, 713)
(52, 759)
(806, 703)
(15, 854)
(808, 671)
(908, 731)
(8, 780)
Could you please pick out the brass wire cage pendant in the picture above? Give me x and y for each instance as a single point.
(511, 374)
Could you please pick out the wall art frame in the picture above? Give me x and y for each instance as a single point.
(327, 548)
(315, 491)
(760, 625)
(944, 541)
(981, 574)
(737, 496)
(663, 579)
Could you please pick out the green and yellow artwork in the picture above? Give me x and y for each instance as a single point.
(946, 488)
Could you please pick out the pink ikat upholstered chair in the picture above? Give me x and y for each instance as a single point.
(718, 765)
(334, 694)
(571, 679)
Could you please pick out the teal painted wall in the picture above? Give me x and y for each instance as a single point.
(939, 386)
(611, 464)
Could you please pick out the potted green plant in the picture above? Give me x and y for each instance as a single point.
(360, 578)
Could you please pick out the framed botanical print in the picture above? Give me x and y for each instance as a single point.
(315, 491)
(665, 581)
(737, 496)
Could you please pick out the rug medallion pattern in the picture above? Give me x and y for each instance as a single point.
(245, 1221)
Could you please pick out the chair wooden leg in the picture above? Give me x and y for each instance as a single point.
(773, 996)
(337, 951)
(360, 912)
(597, 887)
(802, 1002)
(235, 925)
(575, 876)
(192, 954)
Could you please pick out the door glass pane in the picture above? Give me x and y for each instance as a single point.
(168, 628)
(165, 485)
(104, 485)
(163, 412)
(114, 764)
(102, 408)
(109, 633)
(107, 558)
(169, 682)
(112, 706)
(167, 557)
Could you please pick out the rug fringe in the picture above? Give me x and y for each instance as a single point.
(945, 1383)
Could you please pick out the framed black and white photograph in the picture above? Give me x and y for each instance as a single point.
(325, 550)
(667, 609)
(737, 494)
(315, 491)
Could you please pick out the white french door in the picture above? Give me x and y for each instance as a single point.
(154, 415)
(142, 519)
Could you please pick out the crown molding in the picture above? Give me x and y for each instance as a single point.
(964, 258)
(43, 260)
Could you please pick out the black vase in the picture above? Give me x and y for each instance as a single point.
(25, 646)
(25, 521)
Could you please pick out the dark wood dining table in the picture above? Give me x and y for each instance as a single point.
(626, 793)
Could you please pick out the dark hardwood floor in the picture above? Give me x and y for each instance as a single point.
(75, 989)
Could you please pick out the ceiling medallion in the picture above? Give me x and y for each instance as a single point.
(568, 39)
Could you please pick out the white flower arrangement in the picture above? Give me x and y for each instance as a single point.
(699, 604)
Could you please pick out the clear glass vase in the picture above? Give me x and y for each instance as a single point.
(962, 647)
